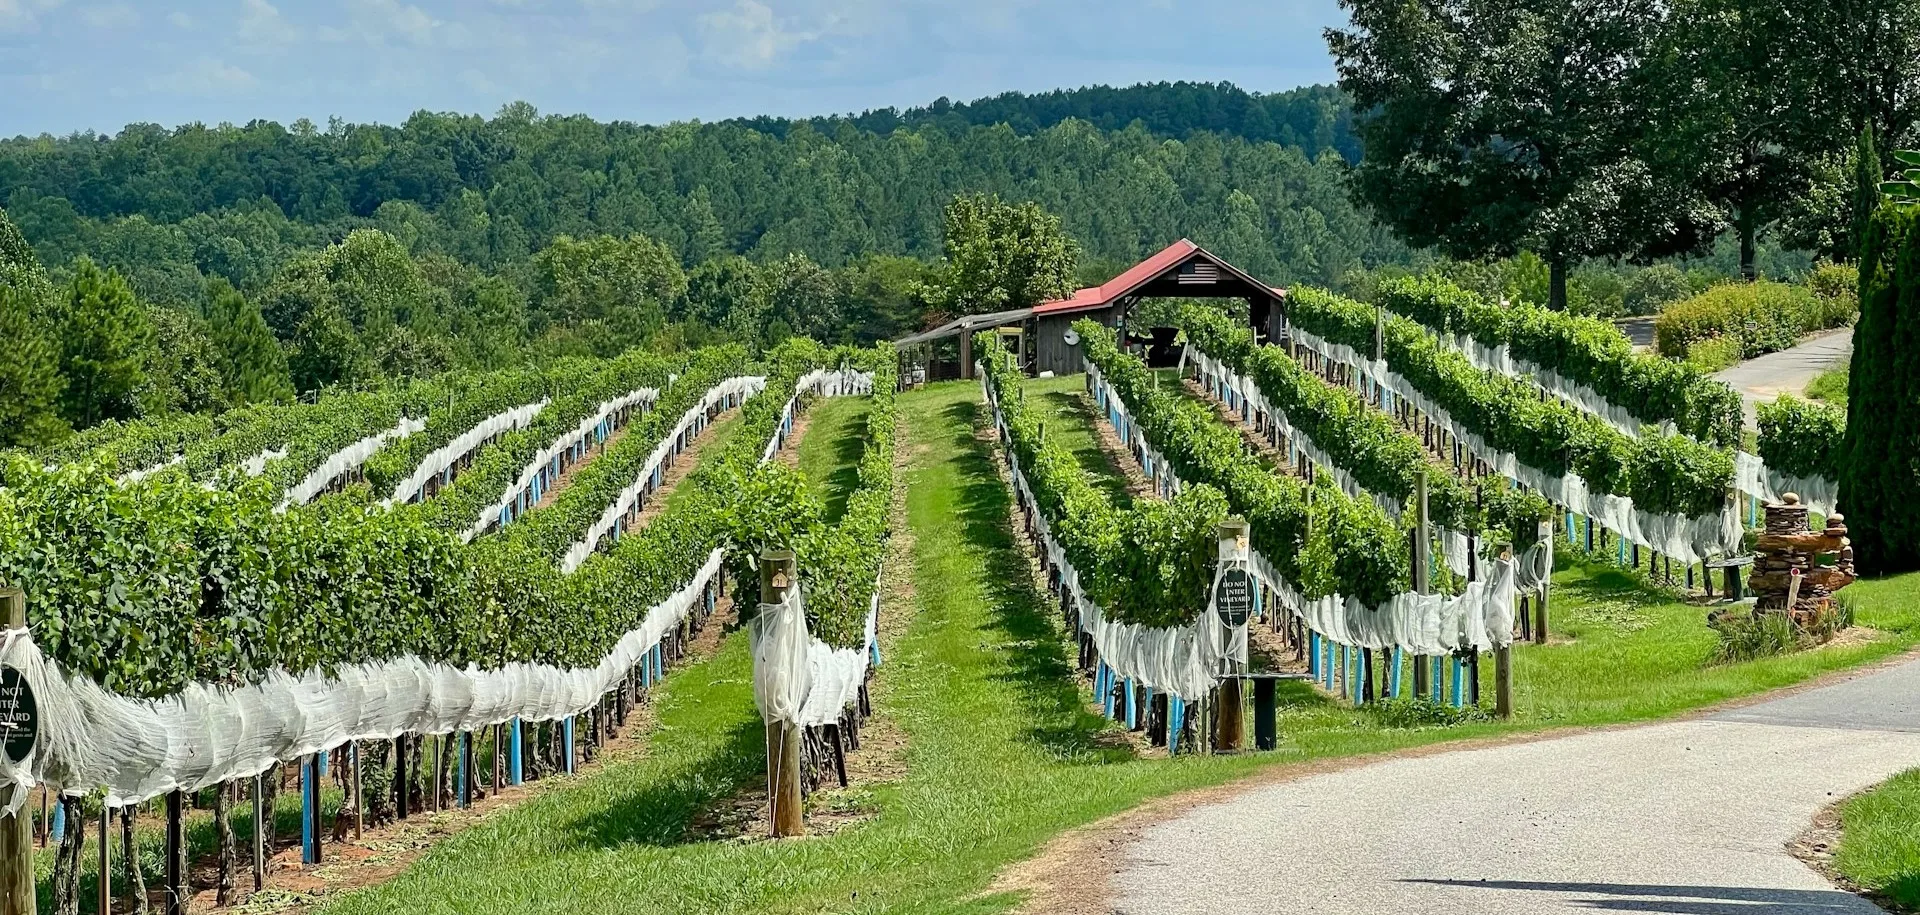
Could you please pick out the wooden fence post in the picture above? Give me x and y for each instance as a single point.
(16, 830)
(1503, 668)
(777, 575)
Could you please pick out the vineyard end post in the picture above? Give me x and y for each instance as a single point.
(1232, 729)
(16, 829)
(1422, 576)
(1540, 614)
(1503, 665)
(777, 575)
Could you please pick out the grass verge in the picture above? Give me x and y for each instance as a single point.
(1880, 842)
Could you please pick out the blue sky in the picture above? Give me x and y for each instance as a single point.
(68, 65)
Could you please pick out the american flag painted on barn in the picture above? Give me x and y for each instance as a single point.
(1198, 273)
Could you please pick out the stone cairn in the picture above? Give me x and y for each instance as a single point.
(1797, 570)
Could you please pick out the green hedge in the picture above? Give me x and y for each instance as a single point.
(1150, 564)
(1586, 350)
(1764, 316)
(1322, 540)
(1363, 441)
(1802, 438)
(1880, 456)
(150, 586)
(1660, 473)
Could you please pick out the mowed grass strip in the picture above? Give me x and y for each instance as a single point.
(829, 454)
(1003, 753)
(1880, 842)
(1071, 420)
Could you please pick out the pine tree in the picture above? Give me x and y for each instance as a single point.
(252, 364)
(30, 380)
(1880, 456)
(104, 336)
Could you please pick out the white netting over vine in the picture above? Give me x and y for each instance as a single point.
(207, 735)
(134, 476)
(443, 457)
(744, 386)
(1178, 660)
(559, 446)
(1752, 477)
(797, 677)
(1677, 536)
(257, 465)
(347, 459)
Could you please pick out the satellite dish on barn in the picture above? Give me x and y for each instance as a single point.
(1072, 338)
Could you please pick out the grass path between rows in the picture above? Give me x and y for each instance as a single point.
(829, 454)
(1003, 752)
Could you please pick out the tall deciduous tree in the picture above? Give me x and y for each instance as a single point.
(1732, 98)
(1003, 256)
(253, 367)
(183, 366)
(1493, 126)
(103, 335)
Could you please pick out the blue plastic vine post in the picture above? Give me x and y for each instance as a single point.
(59, 828)
(1313, 654)
(309, 801)
(324, 760)
(1459, 684)
(1439, 678)
(460, 768)
(1133, 711)
(566, 741)
(1393, 678)
(1176, 722)
(1105, 682)
(514, 772)
(1326, 664)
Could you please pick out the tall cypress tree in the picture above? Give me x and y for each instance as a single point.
(103, 334)
(1866, 188)
(252, 363)
(1880, 468)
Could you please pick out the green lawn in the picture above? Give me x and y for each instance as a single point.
(718, 435)
(1071, 420)
(830, 452)
(1880, 842)
(1831, 385)
(1003, 753)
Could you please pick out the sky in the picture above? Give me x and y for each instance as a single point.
(76, 65)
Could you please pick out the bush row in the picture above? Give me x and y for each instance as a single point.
(1589, 351)
(1149, 564)
(1763, 316)
(1802, 438)
(471, 399)
(1659, 472)
(1321, 540)
(1363, 441)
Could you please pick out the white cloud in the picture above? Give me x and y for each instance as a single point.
(22, 14)
(180, 20)
(205, 76)
(381, 22)
(748, 36)
(112, 16)
(261, 23)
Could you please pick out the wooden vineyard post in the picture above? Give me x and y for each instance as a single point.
(1421, 575)
(1503, 666)
(1231, 734)
(105, 883)
(777, 573)
(16, 829)
(259, 829)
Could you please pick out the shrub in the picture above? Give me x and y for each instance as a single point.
(1715, 353)
(1838, 283)
(1652, 288)
(1764, 316)
(1802, 438)
(1879, 482)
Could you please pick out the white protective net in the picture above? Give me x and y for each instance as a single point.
(538, 465)
(437, 462)
(346, 459)
(206, 735)
(1679, 537)
(1752, 477)
(797, 677)
(135, 476)
(744, 387)
(1184, 660)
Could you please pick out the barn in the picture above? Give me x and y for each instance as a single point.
(1182, 270)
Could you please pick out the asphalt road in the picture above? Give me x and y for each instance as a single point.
(1688, 817)
(1788, 371)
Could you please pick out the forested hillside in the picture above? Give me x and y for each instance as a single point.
(173, 207)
